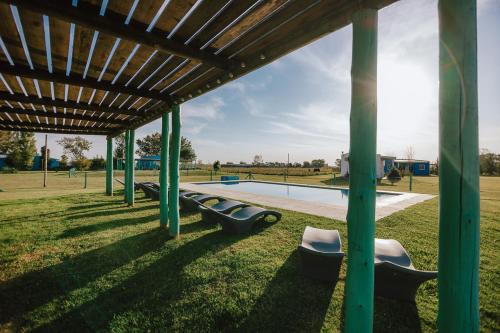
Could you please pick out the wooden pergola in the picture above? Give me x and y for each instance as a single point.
(108, 67)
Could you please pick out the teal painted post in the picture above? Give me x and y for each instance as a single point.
(109, 166)
(362, 173)
(164, 170)
(125, 169)
(458, 260)
(131, 189)
(173, 198)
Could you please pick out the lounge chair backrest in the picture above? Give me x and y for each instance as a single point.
(322, 240)
(390, 250)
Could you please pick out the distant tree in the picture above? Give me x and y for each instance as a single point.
(150, 145)
(337, 162)
(319, 163)
(23, 151)
(306, 164)
(119, 146)
(257, 159)
(489, 163)
(82, 163)
(42, 152)
(187, 152)
(63, 162)
(98, 163)
(243, 162)
(7, 140)
(75, 147)
(394, 176)
(216, 166)
(297, 165)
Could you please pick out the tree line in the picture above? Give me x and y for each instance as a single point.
(20, 148)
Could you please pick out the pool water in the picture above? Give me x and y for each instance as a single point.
(332, 196)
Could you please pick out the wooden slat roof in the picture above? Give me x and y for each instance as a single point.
(100, 67)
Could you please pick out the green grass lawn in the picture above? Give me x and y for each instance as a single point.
(86, 262)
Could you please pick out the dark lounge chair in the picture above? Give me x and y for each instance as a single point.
(242, 220)
(210, 214)
(150, 191)
(136, 185)
(395, 275)
(190, 201)
(321, 254)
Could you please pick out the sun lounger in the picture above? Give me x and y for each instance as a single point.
(212, 214)
(395, 275)
(320, 254)
(136, 185)
(150, 191)
(189, 201)
(242, 220)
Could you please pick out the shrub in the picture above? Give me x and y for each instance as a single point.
(82, 164)
(97, 163)
(394, 176)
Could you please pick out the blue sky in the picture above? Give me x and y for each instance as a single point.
(300, 104)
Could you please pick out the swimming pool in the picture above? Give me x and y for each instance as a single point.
(333, 196)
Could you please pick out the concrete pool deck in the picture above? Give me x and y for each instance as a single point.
(337, 212)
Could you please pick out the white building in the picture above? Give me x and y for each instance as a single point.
(384, 165)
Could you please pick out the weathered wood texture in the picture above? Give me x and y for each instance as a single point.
(458, 278)
(121, 59)
(362, 174)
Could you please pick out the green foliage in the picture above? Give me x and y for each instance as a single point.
(63, 162)
(119, 151)
(7, 140)
(318, 163)
(394, 175)
(98, 163)
(82, 164)
(306, 164)
(150, 145)
(216, 166)
(75, 147)
(22, 151)
(489, 163)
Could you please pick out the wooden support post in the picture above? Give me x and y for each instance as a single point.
(362, 174)
(85, 180)
(173, 198)
(109, 166)
(458, 260)
(45, 158)
(125, 169)
(131, 178)
(164, 170)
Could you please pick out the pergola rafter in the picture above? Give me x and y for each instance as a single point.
(114, 25)
(68, 115)
(88, 82)
(69, 104)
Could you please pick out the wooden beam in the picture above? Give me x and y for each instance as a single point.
(164, 169)
(60, 103)
(4, 127)
(359, 286)
(75, 80)
(109, 166)
(51, 126)
(459, 215)
(173, 198)
(60, 115)
(112, 23)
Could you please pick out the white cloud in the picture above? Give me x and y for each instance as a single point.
(209, 110)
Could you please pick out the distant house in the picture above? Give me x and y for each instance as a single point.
(148, 162)
(384, 165)
(417, 167)
(52, 163)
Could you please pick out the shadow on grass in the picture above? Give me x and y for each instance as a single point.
(391, 316)
(148, 290)
(395, 316)
(107, 212)
(290, 302)
(116, 223)
(29, 291)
